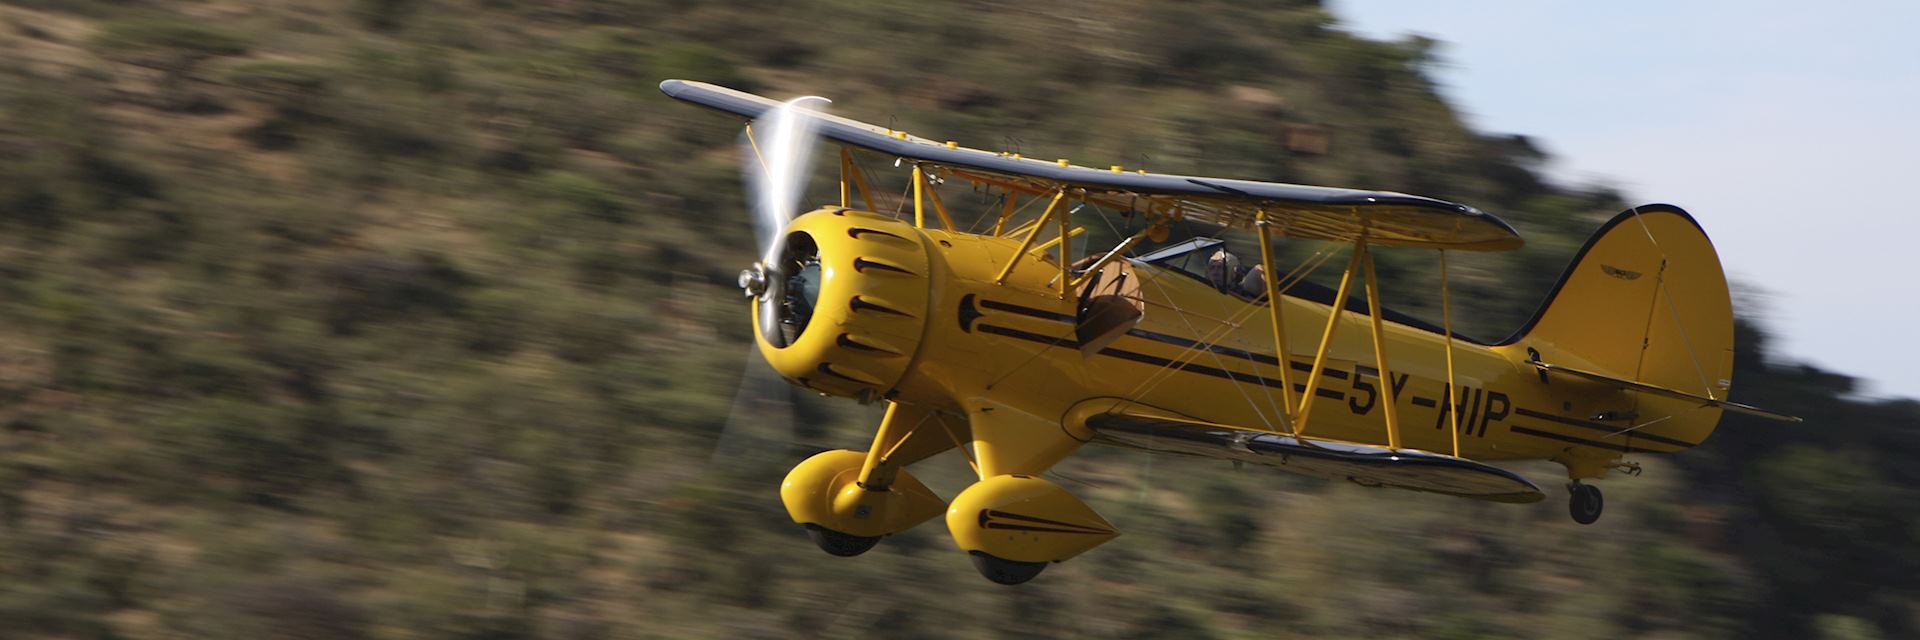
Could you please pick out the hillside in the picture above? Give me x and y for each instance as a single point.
(416, 319)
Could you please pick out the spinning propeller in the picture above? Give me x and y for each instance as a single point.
(776, 150)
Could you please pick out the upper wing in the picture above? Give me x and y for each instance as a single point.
(1133, 425)
(1301, 211)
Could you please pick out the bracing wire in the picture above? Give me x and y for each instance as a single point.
(1206, 344)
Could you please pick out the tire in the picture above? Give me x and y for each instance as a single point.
(1003, 571)
(1585, 503)
(845, 545)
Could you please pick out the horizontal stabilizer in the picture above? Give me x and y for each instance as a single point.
(1630, 385)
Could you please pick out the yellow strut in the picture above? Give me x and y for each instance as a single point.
(1273, 306)
(890, 427)
(1024, 227)
(1115, 253)
(957, 444)
(846, 159)
(1028, 242)
(1006, 211)
(1326, 339)
(1066, 251)
(919, 186)
(1380, 345)
(940, 209)
(1446, 326)
(1050, 244)
(859, 179)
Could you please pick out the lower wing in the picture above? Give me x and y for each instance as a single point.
(1132, 425)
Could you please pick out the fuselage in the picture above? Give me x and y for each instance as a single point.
(1194, 351)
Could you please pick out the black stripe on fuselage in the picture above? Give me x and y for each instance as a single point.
(1331, 373)
(1192, 344)
(1031, 312)
(1574, 422)
(1157, 361)
(1029, 336)
(1174, 340)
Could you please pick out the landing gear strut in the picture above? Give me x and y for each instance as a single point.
(1003, 571)
(1584, 502)
(845, 545)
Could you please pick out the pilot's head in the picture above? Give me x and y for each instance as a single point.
(1223, 269)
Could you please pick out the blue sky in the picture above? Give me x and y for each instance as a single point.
(1787, 128)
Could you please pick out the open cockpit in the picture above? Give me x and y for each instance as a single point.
(1207, 260)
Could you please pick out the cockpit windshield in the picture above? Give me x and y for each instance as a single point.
(1188, 255)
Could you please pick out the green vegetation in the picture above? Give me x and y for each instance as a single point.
(398, 319)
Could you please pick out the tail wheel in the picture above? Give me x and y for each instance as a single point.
(845, 545)
(1003, 571)
(1585, 503)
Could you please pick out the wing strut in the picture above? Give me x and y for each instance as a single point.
(1361, 261)
(1118, 250)
(1028, 242)
(1279, 323)
(1326, 340)
(919, 197)
(1446, 325)
(1006, 210)
(1066, 250)
(1387, 400)
(851, 172)
(940, 209)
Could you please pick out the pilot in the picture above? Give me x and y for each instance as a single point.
(1223, 270)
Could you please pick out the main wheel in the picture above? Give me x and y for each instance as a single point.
(1584, 503)
(1005, 571)
(845, 545)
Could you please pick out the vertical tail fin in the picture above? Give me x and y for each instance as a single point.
(1645, 300)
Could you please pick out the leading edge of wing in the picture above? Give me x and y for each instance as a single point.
(901, 144)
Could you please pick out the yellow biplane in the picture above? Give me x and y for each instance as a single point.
(1006, 347)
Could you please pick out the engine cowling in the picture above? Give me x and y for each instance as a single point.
(851, 315)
